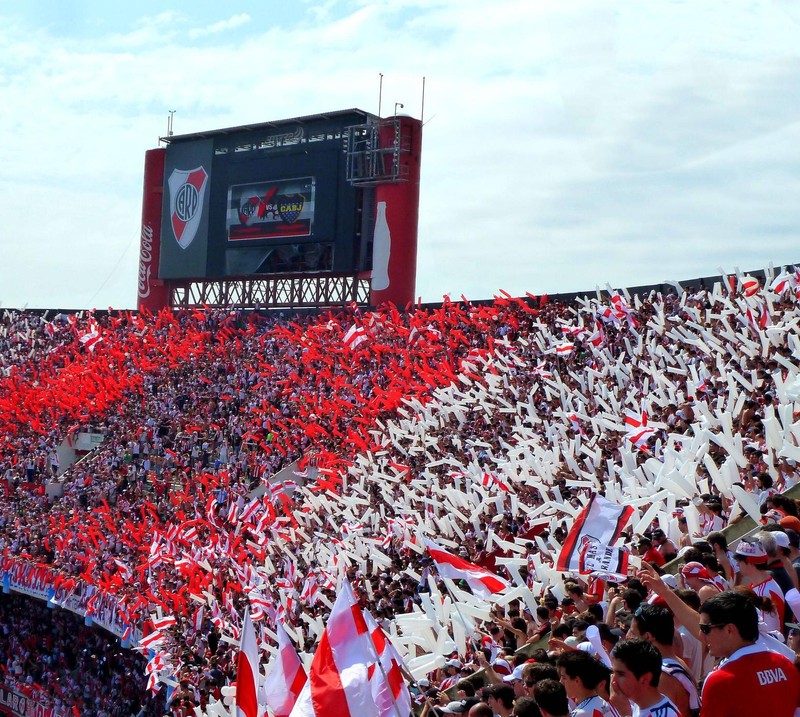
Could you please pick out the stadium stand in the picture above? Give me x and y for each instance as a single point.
(485, 428)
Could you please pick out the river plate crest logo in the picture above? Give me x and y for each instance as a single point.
(186, 195)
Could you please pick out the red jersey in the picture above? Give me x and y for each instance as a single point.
(752, 681)
(653, 556)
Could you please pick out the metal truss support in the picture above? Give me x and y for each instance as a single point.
(273, 292)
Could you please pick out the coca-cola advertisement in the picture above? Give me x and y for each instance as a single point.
(152, 294)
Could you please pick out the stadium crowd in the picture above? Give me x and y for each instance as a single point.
(485, 427)
(54, 659)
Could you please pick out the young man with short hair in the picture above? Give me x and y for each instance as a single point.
(551, 698)
(582, 675)
(656, 625)
(750, 680)
(636, 670)
(500, 698)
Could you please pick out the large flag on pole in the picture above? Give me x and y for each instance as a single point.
(247, 671)
(483, 583)
(338, 681)
(286, 678)
(601, 521)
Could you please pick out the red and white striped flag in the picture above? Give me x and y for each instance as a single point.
(162, 623)
(601, 521)
(622, 310)
(483, 583)
(250, 511)
(197, 619)
(124, 570)
(541, 371)
(782, 282)
(247, 671)
(310, 592)
(749, 285)
(286, 678)
(349, 529)
(598, 337)
(490, 480)
(338, 682)
(355, 336)
(389, 689)
(153, 639)
(636, 429)
(92, 337)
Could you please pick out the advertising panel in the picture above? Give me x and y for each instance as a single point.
(152, 294)
(185, 209)
(277, 209)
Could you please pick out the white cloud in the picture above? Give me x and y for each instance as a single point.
(222, 26)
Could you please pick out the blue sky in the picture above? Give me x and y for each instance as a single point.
(567, 143)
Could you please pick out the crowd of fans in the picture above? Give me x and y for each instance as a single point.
(480, 425)
(659, 644)
(54, 659)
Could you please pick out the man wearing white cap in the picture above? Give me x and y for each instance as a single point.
(451, 669)
(752, 560)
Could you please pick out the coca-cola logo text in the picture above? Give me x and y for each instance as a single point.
(145, 260)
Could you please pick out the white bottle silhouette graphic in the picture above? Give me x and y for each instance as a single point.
(381, 249)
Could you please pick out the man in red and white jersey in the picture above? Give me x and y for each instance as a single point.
(751, 557)
(750, 680)
(636, 668)
(452, 674)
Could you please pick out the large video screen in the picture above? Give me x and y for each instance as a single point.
(271, 210)
(264, 199)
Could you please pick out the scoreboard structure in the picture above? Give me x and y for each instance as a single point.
(314, 211)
